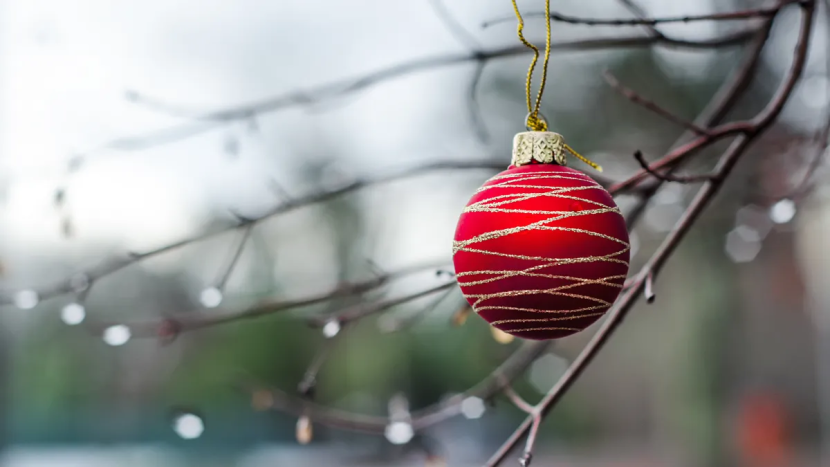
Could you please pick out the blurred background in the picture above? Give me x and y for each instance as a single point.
(101, 157)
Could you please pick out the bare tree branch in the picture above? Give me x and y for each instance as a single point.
(459, 32)
(357, 312)
(668, 177)
(203, 121)
(729, 16)
(494, 384)
(819, 153)
(473, 105)
(193, 320)
(638, 99)
(111, 266)
(348, 86)
(234, 259)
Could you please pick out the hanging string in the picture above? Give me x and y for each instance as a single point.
(584, 159)
(533, 121)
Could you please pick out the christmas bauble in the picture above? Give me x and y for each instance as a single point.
(541, 250)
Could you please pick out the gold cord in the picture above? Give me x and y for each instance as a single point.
(584, 159)
(533, 120)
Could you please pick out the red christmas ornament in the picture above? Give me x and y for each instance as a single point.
(541, 251)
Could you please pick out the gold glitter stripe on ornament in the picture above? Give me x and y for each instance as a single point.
(533, 175)
(551, 192)
(545, 320)
(457, 245)
(536, 310)
(510, 184)
(521, 293)
(561, 214)
(555, 261)
(554, 328)
(528, 182)
(515, 198)
(525, 273)
(500, 204)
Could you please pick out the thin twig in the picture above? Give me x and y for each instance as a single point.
(728, 16)
(638, 155)
(493, 384)
(411, 319)
(648, 291)
(194, 320)
(348, 86)
(714, 112)
(363, 310)
(459, 32)
(679, 154)
(650, 105)
(226, 272)
(822, 141)
(473, 105)
(308, 384)
(639, 12)
(517, 400)
(116, 264)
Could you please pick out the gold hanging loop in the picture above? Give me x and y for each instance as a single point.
(540, 145)
(533, 122)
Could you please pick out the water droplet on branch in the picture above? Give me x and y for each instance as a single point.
(473, 407)
(26, 299)
(211, 297)
(399, 432)
(783, 211)
(117, 335)
(73, 314)
(331, 329)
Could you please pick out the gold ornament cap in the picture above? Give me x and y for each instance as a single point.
(543, 147)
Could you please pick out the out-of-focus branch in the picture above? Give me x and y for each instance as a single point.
(492, 385)
(650, 105)
(684, 151)
(639, 12)
(109, 267)
(461, 34)
(464, 37)
(819, 153)
(363, 310)
(714, 112)
(226, 271)
(348, 86)
(343, 87)
(202, 121)
(308, 384)
(668, 177)
(289, 205)
(193, 320)
(473, 105)
(684, 224)
(728, 16)
(402, 323)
